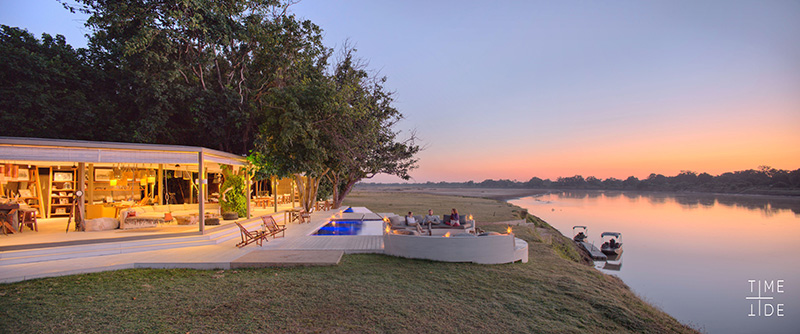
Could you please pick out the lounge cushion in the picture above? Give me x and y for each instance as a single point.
(101, 224)
(397, 221)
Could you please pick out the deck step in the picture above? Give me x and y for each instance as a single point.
(43, 254)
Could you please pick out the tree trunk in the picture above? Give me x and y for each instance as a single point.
(335, 183)
(308, 190)
(347, 188)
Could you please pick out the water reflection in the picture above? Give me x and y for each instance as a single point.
(611, 264)
(691, 254)
(768, 205)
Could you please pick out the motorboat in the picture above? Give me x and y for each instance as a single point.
(581, 234)
(612, 245)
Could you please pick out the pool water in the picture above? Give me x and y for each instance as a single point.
(354, 227)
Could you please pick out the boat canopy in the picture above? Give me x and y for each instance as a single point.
(579, 226)
(611, 234)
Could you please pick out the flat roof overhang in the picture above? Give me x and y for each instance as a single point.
(64, 150)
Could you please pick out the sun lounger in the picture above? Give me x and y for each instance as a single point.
(272, 227)
(249, 237)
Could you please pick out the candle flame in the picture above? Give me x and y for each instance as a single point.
(508, 230)
(470, 217)
(447, 235)
(388, 230)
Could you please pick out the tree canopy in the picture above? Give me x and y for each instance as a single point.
(242, 76)
(764, 180)
(336, 127)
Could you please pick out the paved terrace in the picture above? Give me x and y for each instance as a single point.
(214, 250)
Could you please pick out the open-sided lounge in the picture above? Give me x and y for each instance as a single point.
(86, 179)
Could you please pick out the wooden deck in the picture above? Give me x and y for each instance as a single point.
(593, 251)
(214, 250)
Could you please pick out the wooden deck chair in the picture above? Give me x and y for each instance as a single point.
(249, 237)
(301, 216)
(28, 218)
(305, 217)
(272, 227)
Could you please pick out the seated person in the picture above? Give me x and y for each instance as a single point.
(453, 219)
(431, 218)
(410, 220)
(612, 243)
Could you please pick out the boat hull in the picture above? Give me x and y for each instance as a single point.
(609, 251)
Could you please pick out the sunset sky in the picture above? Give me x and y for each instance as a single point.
(519, 89)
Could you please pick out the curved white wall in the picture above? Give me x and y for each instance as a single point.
(489, 249)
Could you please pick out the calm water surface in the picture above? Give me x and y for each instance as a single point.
(692, 255)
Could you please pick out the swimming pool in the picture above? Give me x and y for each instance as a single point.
(351, 227)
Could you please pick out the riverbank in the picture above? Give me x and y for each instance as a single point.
(553, 292)
(500, 194)
(772, 201)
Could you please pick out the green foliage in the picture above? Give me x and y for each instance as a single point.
(198, 73)
(538, 222)
(245, 74)
(232, 192)
(51, 90)
(565, 250)
(764, 180)
(337, 125)
(261, 168)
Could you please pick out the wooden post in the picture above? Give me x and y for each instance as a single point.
(200, 193)
(81, 208)
(191, 186)
(50, 192)
(247, 190)
(160, 184)
(90, 188)
(40, 192)
(205, 177)
(275, 193)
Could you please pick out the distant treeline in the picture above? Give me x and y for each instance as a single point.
(764, 180)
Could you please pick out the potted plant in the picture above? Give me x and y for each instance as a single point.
(233, 200)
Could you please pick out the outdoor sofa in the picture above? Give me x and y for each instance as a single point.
(399, 223)
(154, 213)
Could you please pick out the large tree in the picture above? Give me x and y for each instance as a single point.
(363, 135)
(198, 72)
(338, 126)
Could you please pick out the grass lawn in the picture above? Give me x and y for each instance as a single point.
(365, 293)
(401, 203)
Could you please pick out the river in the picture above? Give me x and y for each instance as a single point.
(697, 257)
